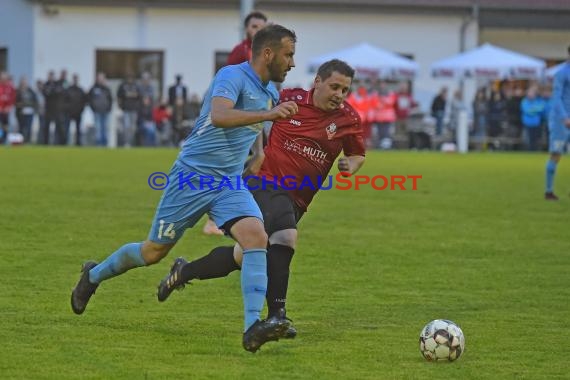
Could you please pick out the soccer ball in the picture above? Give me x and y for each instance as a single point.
(442, 340)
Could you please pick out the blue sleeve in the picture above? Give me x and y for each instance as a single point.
(228, 83)
(559, 87)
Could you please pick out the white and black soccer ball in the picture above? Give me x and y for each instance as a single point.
(442, 340)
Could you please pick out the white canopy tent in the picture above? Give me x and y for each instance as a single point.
(489, 62)
(371, 62)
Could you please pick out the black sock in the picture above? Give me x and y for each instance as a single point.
(278, 260)
(218, 263)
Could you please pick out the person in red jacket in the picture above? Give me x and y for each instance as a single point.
(360, 101)
(404, 105)
(242, 51)
(7, 101)
(383, 116)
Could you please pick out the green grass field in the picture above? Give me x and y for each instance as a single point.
(476, 243)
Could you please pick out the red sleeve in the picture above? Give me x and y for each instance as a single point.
(353, 143)
(238, 55)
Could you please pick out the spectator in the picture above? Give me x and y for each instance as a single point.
(242, 51)
(177, 98)
(532, 113)
(146, 121)
(383, 116)
(513, 104)
(146, 87)
(404, 106)
(41, 110)
(480, 113)
(191, 113)
(75, 99)
(438, 106)
(497, 114)
(7, 102)
(360, 101)
(162, 117)
(101, 101)
(457, 106)
(129, 99)
(55, 113)
(26, 105)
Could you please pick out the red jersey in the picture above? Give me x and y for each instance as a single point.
(306, 145)
(240, 53)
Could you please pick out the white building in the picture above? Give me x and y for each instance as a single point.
(167, 37)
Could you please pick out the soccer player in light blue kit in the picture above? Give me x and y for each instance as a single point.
(238, 101)
(558, 125)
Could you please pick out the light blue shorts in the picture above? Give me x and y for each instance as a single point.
(180, 209)
(558, 139)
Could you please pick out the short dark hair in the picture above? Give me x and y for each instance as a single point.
(341, 67)
(254, 14)
(270, 36)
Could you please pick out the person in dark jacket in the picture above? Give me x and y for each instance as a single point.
(100, 100)
(75, 100)
(55, 113)
(26, 106)
(129, 96)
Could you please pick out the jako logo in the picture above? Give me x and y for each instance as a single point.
(295, 122)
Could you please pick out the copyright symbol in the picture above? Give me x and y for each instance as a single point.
(158, 181)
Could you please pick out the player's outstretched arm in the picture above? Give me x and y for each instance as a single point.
(350, 164)
(224, 115)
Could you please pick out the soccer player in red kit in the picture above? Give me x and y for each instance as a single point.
(301, 148)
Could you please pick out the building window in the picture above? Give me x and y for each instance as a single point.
(3, 59)
(116, 64)
(220, 60)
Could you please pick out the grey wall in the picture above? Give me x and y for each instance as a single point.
(16, 34)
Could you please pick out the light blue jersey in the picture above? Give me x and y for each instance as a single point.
(560, 110)
(217, 151)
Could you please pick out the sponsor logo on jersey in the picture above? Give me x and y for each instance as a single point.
(331, 130)
(307, 148)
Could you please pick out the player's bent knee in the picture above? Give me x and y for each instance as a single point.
(286, 237)
(238, 254)
(154, 252)
(249, 233)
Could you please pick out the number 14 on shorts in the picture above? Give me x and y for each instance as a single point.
(169, 232)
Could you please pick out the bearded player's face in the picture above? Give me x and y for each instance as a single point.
(282, 60)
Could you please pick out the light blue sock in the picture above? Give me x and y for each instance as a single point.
(253, 284)
(550, 172)
(127, 257)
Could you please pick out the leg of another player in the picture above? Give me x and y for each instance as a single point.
(279, 255)
(551, 165)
